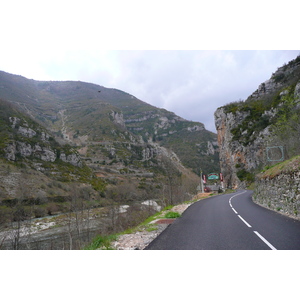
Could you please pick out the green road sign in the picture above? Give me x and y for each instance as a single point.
(213, 176)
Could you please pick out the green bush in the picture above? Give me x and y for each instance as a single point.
(244, 175)
(102, 242)
(172, 215)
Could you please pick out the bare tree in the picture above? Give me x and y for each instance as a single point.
(19, 214)
(172, 181)
(79, 215)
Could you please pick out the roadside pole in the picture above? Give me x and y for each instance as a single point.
(201, 181)
(222, 181)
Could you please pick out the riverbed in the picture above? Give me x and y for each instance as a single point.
(71, 231)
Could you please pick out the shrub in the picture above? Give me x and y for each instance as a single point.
(40, 212)
(172, 215)
(102, 242)
(244, 175)
(52, 208)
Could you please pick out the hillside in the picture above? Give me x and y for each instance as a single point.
(29, 152)
(98, 157)
(86, 131)
(86, 115)
(263, 129)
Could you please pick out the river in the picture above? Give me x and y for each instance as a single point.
(72, 232)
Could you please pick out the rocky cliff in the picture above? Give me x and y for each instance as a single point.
(233, 155)
(250, 132)
(21, 137)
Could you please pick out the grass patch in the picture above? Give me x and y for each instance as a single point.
(102, 242)
(172, 215)
(287, 166)
(151, 228)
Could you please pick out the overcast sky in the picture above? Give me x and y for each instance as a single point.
(72, 40)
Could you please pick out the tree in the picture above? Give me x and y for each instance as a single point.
(78, 220)
(172, 181)
(19, 214)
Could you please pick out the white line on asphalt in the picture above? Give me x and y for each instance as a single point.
(234, 210)
(237, 195)
(233, 197)
(264, 240)
(244, 221)
(260, 236)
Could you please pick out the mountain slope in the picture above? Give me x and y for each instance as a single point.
(83, 114)
(116, 144)
(36, 157)
(262, 130)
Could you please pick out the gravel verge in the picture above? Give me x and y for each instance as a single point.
(144, 236)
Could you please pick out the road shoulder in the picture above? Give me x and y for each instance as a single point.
(144, 234)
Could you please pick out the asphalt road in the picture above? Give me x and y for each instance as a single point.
(229, 222)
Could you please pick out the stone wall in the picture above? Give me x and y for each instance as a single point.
(280, 193)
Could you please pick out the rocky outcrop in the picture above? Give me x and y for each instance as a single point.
(245, 129)
(143, 117)
(196, 128)
(277, 80)
(212, 148)
(118, 119)
(31, 141)
(149, 152)
(45, 153)
(72, 158)
(233, 155)
(23, 130)
(25, 150)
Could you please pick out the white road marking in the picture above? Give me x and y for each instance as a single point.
(234, 210)
(260, 236)
(237, 195)
(233, 197)
(265, 241)
(244, 221)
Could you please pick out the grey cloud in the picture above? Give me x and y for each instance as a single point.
(192, 84)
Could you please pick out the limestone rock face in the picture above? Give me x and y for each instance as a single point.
(246, 129)
(148, 153)
(24, 150)
(118, 118)
(35, 143)
(14, 121)
(297, 94)
(10, 152)
(72, 158)
(28, 132)
(196, 128)
(46, 154)
(234, 154)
